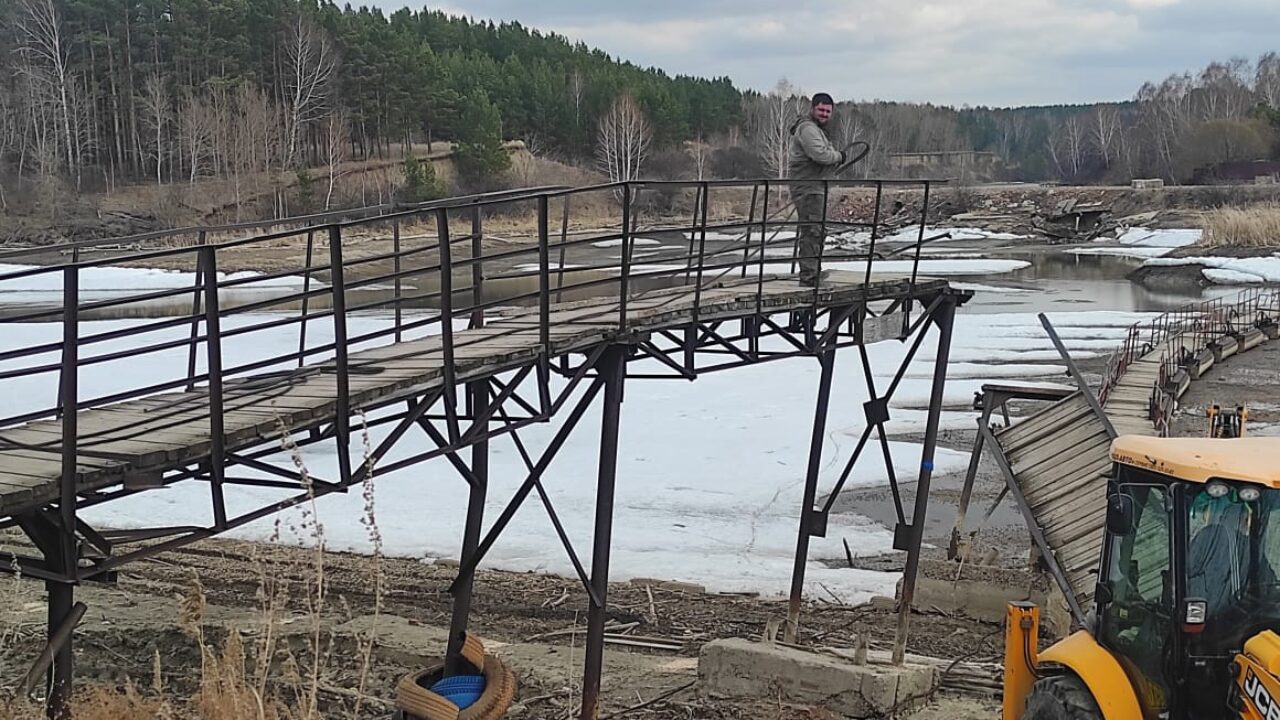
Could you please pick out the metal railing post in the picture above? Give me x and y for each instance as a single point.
(342, 375)
(213, 363)
(704, 189)
(69, 391)
(624, 280)
(544, 277)
(924, 221)
(196, 292)
(446, 322)
(875, 233)
(751, 216)
(477, 268)
(306, 298)
(395, 266)
(822, 241)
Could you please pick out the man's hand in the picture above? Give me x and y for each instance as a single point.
(843, 158)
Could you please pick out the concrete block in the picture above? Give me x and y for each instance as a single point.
(1251, 340)
(883, 604)
(670, 585)
(984, 593)
(1202, 364)
(741, 669)
(1224, 348)
(684, 587)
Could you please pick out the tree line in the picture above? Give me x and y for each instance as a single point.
(1179, 129)
(99, 93)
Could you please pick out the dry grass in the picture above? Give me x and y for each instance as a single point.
(1253, 226)
(268, 680)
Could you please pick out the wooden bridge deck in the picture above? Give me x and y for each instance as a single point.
(141, 439)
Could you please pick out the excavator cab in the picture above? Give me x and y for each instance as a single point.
(1187, 604)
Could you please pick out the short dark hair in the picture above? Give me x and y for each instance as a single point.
(822, 99)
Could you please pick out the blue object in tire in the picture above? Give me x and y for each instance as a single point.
(461, 690)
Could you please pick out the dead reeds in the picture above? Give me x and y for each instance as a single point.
(265, 670)
(1255, 226)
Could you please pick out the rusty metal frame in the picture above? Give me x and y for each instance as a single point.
(472, 409)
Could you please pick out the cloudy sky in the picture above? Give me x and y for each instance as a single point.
(977, 52)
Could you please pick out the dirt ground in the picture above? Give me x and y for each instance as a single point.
(533, 621)
(1251, 379)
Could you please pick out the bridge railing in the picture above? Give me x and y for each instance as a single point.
(120, 319)
(1180, 335)
(1197, 322)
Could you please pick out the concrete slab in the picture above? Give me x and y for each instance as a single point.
(741, 669)
(984, 593)
(1224, 348)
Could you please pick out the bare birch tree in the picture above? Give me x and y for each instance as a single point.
(1267, 79)
(623, 139)
(1223, 90)
(1068, 148)
(155, 106)
(310, 62)
(1105, 132)
(700, 152)
(197, 128)
(335, 149)
(577, 91)
(772, 117)
(40, 31)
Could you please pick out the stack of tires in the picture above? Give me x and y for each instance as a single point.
(485, 693)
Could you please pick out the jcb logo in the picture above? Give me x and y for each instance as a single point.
(1261, 699)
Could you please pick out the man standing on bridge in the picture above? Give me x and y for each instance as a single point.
(812, 159)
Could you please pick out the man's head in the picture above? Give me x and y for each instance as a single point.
(823, 107)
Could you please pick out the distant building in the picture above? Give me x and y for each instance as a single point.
(1243, 171)
(967, 164)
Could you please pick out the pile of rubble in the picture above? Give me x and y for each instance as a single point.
(1068, 221)
(1059, 215)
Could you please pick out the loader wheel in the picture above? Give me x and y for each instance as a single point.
(1061, 697)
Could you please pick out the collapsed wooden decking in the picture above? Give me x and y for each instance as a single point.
(1054, 461)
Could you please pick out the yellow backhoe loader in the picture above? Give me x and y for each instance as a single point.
(1187, 605)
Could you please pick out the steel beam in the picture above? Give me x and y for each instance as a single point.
(613, 370)
(454, 663)
(944, 320)
(827, 358)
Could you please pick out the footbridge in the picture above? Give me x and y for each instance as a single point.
(459, 321)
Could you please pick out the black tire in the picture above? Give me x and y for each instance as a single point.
(1061, 697)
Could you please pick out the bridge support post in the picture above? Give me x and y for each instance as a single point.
(478, 393)
(827, 358)
(612, 367)
(61, 600)
(944, 319)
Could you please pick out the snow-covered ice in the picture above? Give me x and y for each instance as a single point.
(1139, 242)
(979, 287)
(1172, 238)
(109, 281)
(963, 266)
(1228, 270)
(618, 242)
(773, 234)
(911, 234)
